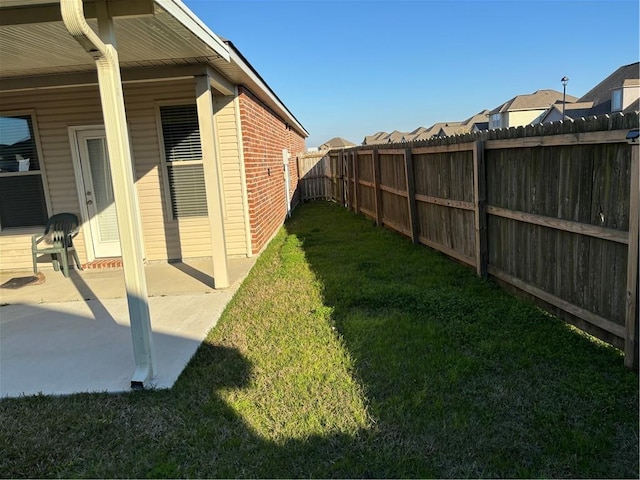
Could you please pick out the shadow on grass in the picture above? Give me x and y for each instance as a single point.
(460, 380)
(178, 433)
(464, 379)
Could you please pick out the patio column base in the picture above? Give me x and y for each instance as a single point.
(141, 377)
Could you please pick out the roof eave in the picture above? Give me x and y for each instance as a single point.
(230, 53)
(238, 59)
(180, 12)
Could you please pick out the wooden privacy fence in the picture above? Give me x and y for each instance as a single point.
(551, 210)
(314, 176)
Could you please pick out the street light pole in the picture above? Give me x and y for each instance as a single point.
(564, 81)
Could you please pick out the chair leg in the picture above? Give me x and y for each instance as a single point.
(65, 263)
(34, 256)
(77, 260)
(55, 261)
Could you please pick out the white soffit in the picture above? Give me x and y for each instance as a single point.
(173, 35)
(159, 39)
(180, 12)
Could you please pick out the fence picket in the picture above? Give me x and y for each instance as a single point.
(631, 304)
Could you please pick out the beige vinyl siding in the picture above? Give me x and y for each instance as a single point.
(15, 249)
(164, 238)
(524, 117)
(226, 130)
(55, 111)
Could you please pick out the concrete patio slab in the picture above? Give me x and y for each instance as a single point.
(72, 335)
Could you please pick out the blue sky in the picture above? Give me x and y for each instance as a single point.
(353, 68)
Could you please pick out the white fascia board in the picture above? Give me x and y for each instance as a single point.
(238, 60)
(180, 12)
(531, 109)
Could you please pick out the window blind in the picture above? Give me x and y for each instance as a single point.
(22, 202)
(181, 133)
(188, 195)
(181, 136)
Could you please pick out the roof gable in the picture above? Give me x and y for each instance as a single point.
(602, 91)
(538, 100)
(337, 142)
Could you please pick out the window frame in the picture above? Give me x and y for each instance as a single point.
(164, 164)
(492, 121)
(42, 172)
(616, 93)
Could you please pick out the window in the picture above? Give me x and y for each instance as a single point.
(22, 199)
(183, 158)
(495, 121)
(616, 101)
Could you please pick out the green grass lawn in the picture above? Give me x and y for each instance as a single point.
(349, 352)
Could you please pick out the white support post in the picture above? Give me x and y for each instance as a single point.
(120, 161)
(103, 50)
(212, 181)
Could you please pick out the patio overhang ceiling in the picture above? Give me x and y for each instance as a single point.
(157, 39)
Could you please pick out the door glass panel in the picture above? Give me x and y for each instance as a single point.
(102, 193)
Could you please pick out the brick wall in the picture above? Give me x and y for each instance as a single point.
(264, 135)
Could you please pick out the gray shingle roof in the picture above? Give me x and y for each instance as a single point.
(396, 136)
(600, 95)
(418, 131)
(571, 110)
(336, 142)
(377, 137)
(602, 91)
(538, 100)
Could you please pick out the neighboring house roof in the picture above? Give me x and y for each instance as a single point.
(602, 91)
(479, 121)
(600, 95)
(479, 126)
(451, 128)
(383, 137)
(571, 110)
(396, 137)
(418, 131)
(433, 130)
(538, 100)
(474, 122)
(336, 142)
(374, 139)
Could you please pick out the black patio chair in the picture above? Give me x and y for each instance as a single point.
(57, 241)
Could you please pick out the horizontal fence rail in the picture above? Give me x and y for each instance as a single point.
(550, 211)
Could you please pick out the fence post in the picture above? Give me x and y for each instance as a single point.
(480, 204)
(376, 183)
(344, 177)
(631, 339)
(411, 194)
(343, 174)
(356, 182)
(327, 172)
(336, 171)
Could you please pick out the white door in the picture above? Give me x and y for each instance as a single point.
(98, 193)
